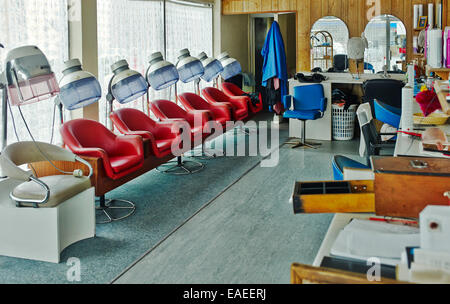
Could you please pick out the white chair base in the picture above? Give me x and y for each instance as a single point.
(43, 233)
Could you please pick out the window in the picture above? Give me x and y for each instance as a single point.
(44, 24)
(188, 26)
(133, 30)
(130, 30)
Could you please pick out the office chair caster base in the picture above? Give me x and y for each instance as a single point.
(304, 145)
(113, 210)
(181, 167)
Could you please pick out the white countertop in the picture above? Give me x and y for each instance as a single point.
(407, 146)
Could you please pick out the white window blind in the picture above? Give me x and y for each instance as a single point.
(188, 26)
(130, 30)
(44, 24)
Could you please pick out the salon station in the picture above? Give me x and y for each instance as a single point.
(225, 142)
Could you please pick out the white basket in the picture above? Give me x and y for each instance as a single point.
(343, 122)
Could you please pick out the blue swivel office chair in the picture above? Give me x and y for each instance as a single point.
(387, 114)
(385, 99)
(371, 144)
(309, 104)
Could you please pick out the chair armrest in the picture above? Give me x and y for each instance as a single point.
(143, 134)
(287, 102)
(130, 144)
(323, 105)
(241, 101)
(87, 164)
(221, 110)
(90, 152)
(166, 131)
(10, 170)
(205, 115)
(175, 127)
(33, 201)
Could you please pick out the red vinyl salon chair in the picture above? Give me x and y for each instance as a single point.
(240, 105)
(233, 90)
(221, 112)
(120, 155)
(168, 111)
(162, 135)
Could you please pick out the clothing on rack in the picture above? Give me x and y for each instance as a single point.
(274, 67)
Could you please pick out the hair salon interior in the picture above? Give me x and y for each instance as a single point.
(224, 142)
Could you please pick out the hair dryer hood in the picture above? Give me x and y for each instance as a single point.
(29, 76)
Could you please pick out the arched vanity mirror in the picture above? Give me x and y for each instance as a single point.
(386, 36)
(329, 37)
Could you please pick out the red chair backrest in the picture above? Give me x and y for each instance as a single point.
(193, 101)
(213, 94)
(166, 109)
(232, 89)
(133, 119)
(85, 133)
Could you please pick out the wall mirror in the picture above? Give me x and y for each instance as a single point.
(322, 52)
(386, 36)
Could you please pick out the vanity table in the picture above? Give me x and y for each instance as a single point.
(321, 129)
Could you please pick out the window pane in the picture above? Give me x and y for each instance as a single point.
(130, 30)
(44, 24)
(189, 27)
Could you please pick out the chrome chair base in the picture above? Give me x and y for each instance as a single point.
(205, 154)
(181, 167)
(113, 210)
(303, 144)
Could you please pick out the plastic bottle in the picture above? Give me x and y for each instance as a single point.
(448, 50)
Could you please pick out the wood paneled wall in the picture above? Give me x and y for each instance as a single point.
(355, 13)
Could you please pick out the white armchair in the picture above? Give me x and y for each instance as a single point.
(40, 217)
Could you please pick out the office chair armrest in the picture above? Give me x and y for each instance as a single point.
(287, 102)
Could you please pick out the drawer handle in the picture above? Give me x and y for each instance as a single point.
(417, 164)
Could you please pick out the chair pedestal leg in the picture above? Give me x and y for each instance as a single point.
(113, 210)
(303, 143)
(181, 167)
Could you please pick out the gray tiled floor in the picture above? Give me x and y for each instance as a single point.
(249, 233)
